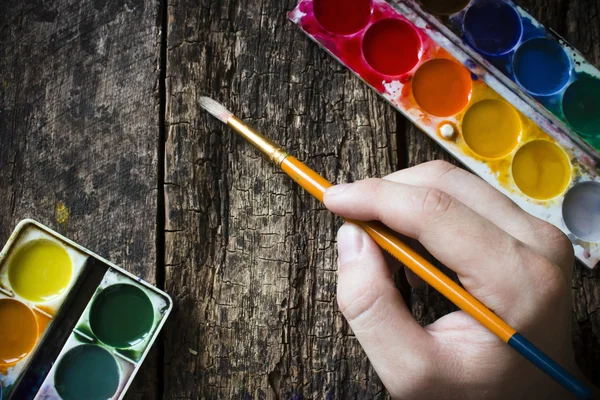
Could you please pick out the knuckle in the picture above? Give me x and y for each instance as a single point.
(441, 167)
(360, 301)
(554, 285)
(375, 186)
(377, 191)
(550, 281)
(432, 201)
(372, 181)
(558, 241)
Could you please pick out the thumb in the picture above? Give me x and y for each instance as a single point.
(385, 328)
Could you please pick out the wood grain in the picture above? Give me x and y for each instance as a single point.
(79, 127)
(249, 258)
(261, 252)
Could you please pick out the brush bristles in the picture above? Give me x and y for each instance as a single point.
(216, 109)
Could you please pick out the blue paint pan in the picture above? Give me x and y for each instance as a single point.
(540, 67)
(493, 28)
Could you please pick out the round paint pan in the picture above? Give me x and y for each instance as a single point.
(87, 372)
(444, 7)
(343, 17)
(581, 211)
(581, 106)
(541, 170)
(121, 316)
(18, 330)
(493, 27)
(40, 270)
(541, 67)
(442, 87)
(492, 128)
(392, 47)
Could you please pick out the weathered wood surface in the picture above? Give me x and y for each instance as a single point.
(252, 257)
(79, 128)
(248, 257)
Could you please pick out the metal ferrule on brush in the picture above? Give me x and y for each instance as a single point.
(274, 152)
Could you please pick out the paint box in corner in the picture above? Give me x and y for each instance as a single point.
(534, 62)
(72, 325)
(466, 109)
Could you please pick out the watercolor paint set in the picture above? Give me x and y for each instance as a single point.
(430, 78)
(532, 60)
(72, 325)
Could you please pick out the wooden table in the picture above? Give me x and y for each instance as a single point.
(99, 118)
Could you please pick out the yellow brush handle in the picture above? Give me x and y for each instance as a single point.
(316, 185)
(388, 240)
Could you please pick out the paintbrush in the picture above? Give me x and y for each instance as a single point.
(316, 185)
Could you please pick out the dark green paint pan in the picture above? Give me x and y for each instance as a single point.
(121, 316)
(581, 106)
(92, 339)
(87, 372)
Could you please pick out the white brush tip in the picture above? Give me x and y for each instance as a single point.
(215, 108)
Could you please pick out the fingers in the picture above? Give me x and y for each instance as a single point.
(374, 308)
(490, 263)
(482, 198)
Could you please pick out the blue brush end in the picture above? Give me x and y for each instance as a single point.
(546, 364)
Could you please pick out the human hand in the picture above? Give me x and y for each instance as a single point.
(515, 264)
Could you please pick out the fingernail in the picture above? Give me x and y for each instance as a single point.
(332, 191)
(350, 241)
